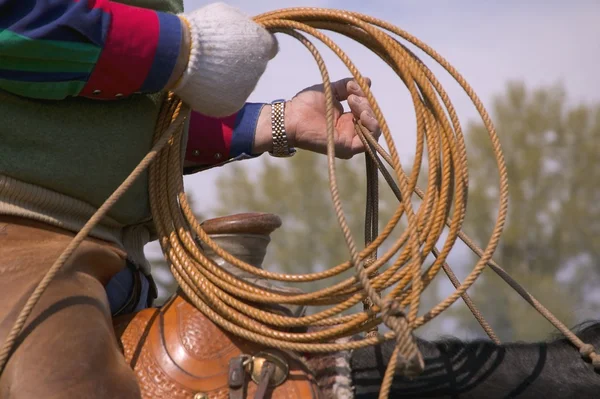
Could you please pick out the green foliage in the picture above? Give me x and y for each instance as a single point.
(550, 243)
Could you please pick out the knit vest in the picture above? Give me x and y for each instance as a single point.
(60, 160)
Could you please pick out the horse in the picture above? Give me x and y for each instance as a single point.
(482, 369)
(177, 352)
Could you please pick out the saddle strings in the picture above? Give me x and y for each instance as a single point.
(224, 298)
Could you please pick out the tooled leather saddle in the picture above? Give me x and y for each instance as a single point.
(178, 353)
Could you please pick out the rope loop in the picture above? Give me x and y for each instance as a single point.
(588, 351)
(389, 284)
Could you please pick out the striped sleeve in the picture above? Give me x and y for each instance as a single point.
(99, 49)
(218, 141)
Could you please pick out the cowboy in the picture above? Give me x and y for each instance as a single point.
(81, 85)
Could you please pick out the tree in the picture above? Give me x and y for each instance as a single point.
(297, 190)
(551, 239)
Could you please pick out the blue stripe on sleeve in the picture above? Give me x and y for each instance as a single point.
(244, 130)
(60, 20)
(169, 44)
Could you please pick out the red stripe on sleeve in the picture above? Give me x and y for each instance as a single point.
(209, 139)
(128, 53)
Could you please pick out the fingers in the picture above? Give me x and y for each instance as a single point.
(340, 91)
(362, 110)
(368, 120)
(352, 87)
(360, 107)
(343, 88)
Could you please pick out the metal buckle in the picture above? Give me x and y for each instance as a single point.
(280, 373)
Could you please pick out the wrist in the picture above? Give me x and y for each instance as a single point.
(263, 138)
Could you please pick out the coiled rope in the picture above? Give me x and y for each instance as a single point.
(223, 298)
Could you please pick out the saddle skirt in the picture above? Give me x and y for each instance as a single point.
(178, 353)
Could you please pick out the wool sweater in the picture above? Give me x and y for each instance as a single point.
(81, 85)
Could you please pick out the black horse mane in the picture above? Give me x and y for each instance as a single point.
(482, 369)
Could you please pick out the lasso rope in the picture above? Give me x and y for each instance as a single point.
(222, 297)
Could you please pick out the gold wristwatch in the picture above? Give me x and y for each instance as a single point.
(281, 147)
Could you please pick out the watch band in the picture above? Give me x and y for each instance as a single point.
(281, 147)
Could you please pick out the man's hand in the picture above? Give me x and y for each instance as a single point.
(306, 125)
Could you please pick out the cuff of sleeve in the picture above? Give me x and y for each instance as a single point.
(209, 139)
(216, 141)
(245, 130)
(139, 55)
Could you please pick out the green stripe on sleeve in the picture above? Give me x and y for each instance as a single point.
(19, 52)
(42, 65)
(42, 90)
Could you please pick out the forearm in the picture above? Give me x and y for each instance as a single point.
(96, 49)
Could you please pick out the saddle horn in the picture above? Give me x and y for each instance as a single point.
(243, 223)
(247, 236)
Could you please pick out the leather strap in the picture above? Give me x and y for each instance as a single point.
(237, 378)
(265, 377)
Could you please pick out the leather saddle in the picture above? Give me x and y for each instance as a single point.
(178, 353)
